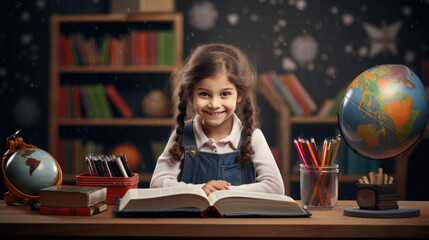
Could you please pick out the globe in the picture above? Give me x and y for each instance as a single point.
(384, 111)
(132, 153)
(156, 104)
(31, 169)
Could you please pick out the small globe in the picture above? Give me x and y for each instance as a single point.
(156, 104)
(384, 111)
(31, 169)
(132, 153)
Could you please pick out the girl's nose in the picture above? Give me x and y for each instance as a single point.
(214, 103)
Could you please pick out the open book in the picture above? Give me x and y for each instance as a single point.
(191, 201)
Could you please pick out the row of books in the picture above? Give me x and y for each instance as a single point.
(73, 200)
(292, 92)
(139, 47)
(91, 101)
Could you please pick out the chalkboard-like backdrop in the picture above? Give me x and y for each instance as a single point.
(326, 43)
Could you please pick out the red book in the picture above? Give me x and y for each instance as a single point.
(142, 47)
(66, 56)
(118, 101)
(135, 47)
(77, 107)
(113, 51)
(62, 109)
(151, 47)
(75, 211)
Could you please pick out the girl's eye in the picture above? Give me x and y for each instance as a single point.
(225, 94)
(204, 94)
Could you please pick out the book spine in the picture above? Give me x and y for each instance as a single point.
(73, 211)
(77, 107)
(298, 93)
(142, 47)
(62, 109)
(118, 101)
(151, 47)
(286, 94)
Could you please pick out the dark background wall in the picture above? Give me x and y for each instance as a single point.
(326, 43)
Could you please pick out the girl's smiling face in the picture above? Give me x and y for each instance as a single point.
(215, 99)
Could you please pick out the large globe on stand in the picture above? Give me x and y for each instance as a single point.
(31, 169)
(384, 111)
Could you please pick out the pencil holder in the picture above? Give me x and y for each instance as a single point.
(319, 187)
(377, 196)
(116, 186)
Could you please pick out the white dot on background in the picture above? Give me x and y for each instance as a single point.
(26, 38)
(348, 19)
(331, 71)
(407, 11)
(282, 23)
(40, 4)
(25, 16)
(334, 10)
(276, 28)
(278, 52)
(324, 56)
(288, 64)
(410, 56)
(363, 52)
(348, 49)
(301, 4)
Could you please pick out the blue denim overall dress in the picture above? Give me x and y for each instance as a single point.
(201, 167)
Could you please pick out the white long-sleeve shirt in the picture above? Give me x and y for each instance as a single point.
(268, 177)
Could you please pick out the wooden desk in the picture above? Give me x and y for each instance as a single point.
(20, 221)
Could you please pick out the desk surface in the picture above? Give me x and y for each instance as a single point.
(21, 221)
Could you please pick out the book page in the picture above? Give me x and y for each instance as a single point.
(234, 193)
(160, 196)
(240, 202)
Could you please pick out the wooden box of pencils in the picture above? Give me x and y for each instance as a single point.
(377, 196)
(377, 191)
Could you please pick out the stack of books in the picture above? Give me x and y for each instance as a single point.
(291, 91)
(73, 200)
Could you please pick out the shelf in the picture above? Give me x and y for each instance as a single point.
(314, 120)
(143, 177)
(116, 69)
(153, 122)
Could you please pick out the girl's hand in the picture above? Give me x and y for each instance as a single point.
(216, 185)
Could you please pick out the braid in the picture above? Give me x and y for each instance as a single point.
(177, 149)
(246, 150)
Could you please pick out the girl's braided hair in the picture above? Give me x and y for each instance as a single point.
(207, 61)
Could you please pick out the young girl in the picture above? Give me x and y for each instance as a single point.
(219, 148)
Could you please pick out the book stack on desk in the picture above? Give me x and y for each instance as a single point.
(73, 200)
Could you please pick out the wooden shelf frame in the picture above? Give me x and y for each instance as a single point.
(284, 124)
(56, 69)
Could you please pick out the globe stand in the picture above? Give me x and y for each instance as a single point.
(14, 195)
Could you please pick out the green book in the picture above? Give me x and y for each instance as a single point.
(169, 46)
(160, 47)
(90, 93)
(102, 101)
(104, 50)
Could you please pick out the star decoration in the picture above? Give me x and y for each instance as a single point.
(383, 39)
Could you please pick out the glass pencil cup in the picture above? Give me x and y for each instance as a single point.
(319, 187)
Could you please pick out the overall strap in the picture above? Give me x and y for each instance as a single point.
(189, 138)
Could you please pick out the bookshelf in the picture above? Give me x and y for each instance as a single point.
(284, 138)
(120, 26)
